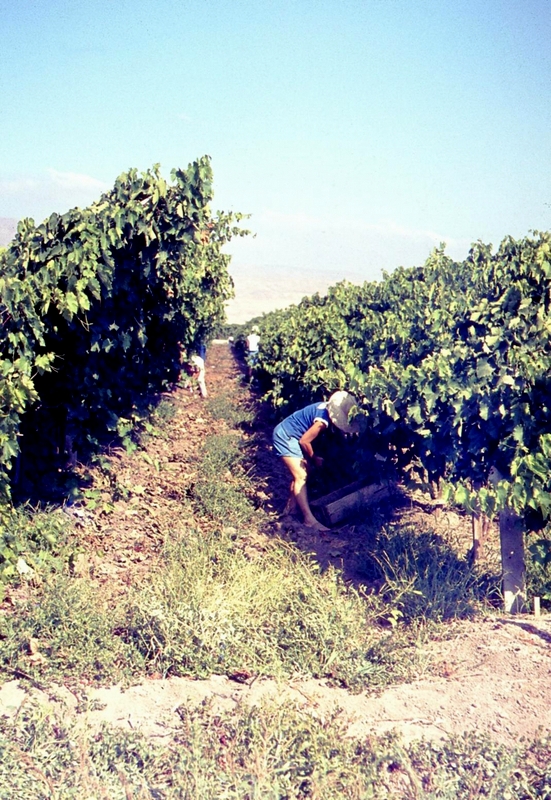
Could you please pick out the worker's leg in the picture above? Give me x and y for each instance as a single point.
(297, 468)
(291, 504)
(201, 383)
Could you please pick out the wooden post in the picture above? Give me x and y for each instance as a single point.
(511, 534)
(478, 541)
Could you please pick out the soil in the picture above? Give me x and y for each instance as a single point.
(489, 675)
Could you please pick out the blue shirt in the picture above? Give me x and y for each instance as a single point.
(299, 422)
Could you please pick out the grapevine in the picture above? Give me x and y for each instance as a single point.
(96, 303)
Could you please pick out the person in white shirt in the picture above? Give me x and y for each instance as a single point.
(252, 341)
(198, 371)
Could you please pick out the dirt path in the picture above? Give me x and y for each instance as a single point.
(491, 675)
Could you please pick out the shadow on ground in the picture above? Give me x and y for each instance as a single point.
(431, 544)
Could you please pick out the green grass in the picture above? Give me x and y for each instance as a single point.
(229, 408)
(214, 606)
(222, 488)
(217, 603)
(423, 579)
(270, 752)
(33, 542)
(64, 631)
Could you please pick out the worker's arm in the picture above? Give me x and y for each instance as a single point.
(308, 437)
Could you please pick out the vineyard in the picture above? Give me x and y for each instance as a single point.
(450, 363)
(97, 307)
(165, 630)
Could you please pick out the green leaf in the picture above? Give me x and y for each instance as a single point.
(484, 369)
(518, 434)
(541, 552)
(71, 302)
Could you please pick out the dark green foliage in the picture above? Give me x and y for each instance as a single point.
(538, 577)
(95, 302)
(32, 541)
(451, 363)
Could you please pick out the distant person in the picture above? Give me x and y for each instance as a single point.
(252, 342)
(293, 439)
(198, 372)
(195, 368)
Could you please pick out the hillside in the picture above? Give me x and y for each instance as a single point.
(262, 288)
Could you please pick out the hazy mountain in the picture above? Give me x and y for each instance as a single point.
(259, 290)
(8, 227)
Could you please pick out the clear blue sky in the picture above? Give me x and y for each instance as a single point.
(358, 133)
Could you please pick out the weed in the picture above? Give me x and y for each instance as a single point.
(223, 500)
(164, 412)
(222, 487)
(474, 766)
(272, 751)
(227, 407)
(105, 479)
(32, 542)
(220, 452)
(423, 578)
(212, 608)
(64, 630)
